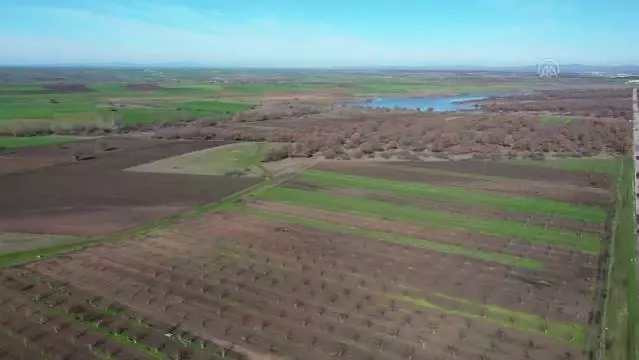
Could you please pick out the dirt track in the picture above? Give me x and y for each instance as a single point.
(94, 197)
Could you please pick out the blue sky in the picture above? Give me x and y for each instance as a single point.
(320, 33)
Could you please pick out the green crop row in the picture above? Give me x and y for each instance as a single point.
(574, 334)
(523, 205)
(587, 243)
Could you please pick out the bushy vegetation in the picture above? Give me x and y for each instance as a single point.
(357, 133)
(610, 103)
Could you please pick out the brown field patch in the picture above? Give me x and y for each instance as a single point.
(9, 165)
(95, 197)
(67, 88)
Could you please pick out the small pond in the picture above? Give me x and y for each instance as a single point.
(444, 103)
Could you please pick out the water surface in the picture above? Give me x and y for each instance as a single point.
(443, 103)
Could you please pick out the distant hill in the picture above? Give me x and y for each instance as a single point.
(565, 68)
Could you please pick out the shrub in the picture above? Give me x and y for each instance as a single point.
(386, 155)
(277, 153)
(409, 156)
(356, 154)
(329, 153)
(538, 156)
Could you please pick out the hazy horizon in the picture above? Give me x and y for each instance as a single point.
(286, 33)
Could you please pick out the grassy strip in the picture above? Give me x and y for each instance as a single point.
(587, 243)
(16, 242)
(403, 240)
(621, 313)
(602, 165)
(18, 142)
(574, 334)
(524, 205)
(15, 258)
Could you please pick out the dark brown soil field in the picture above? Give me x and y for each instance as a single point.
(10, 165)
(96, 196)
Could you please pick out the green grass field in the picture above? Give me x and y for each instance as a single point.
(553, 119)
(240, 159)
(455, 194)
(171, 102)
(604, 165)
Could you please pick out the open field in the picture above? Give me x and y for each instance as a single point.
(239, 159)
(339, 262)
(105, 107)
(95, 196)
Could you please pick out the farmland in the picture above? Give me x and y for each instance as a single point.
(343, 260)
(53, 193)
(227, 214)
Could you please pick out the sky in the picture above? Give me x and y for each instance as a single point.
(320, 33)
